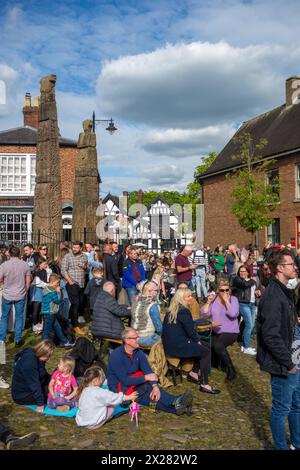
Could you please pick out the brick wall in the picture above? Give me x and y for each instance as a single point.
(31, 116)
(220, 225)
(68, 157)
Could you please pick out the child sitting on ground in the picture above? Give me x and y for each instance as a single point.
(50, 307)
(96, 405)
(63, 386)
(93, 287)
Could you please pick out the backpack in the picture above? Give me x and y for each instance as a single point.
(86, 355)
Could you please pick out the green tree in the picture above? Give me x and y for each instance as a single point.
(194, 188)
(253, 199)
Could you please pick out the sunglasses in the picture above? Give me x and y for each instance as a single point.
(224, 290)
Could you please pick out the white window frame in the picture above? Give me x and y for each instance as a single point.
(18, 192)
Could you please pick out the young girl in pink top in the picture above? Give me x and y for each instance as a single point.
(63, 386)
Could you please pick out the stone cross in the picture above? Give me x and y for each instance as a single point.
(47, 196)
(86, 187)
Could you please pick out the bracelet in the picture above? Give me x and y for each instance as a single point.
(155, 385)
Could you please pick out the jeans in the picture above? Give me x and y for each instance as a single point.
(148, 341)
(201, 282)
(131, 292)
(285, 404)
(51, 324)
(248, 312)
(19, 320)
(165, 403)
(76, 297)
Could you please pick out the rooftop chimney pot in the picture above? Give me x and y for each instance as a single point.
(31, 113)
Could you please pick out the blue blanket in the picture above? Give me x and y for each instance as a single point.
(72, 413)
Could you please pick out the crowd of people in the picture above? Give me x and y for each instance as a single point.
(143, 299)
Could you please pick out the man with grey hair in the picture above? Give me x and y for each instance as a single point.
(108, 314)
(184, 269)
(129, 370)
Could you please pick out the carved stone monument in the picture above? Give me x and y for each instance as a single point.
(47, 196)
(86, 187)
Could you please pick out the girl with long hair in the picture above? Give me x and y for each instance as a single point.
(96, 405)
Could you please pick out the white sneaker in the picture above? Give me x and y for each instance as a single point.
(3, 384)
(81, 319)
(242, 348)
(249, 351)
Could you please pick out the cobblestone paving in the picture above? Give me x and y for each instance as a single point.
(237, 418)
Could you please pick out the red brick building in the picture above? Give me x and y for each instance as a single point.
(281, 129)
(17, 176)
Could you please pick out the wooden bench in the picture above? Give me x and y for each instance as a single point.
(208, 326)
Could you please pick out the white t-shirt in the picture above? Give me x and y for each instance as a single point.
(252, 298)
(93, 404)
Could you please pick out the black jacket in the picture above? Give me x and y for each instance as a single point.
(28, 374)
(92, 290)
(242, 289)
(276, 321)
(180, 339)
(111, 268)
(107, 316)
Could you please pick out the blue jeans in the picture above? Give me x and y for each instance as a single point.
(285, 404)
(19, 320)
(148, 341)
(248, 312)
(51, 324)
(201, 282)
(165, 403)
(131, 292)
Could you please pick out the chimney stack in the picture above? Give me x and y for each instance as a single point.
(31, 113)
(292, 91)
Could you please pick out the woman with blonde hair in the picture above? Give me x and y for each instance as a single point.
(30, 378)
(223, 308)
(181, 340)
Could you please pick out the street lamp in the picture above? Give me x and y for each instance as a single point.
(111, 128)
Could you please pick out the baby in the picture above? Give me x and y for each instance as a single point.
(63, 386)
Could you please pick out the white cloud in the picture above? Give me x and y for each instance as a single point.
(163, 174)
(180, 143)
(195, 85)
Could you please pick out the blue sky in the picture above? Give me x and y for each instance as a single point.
(178, 76)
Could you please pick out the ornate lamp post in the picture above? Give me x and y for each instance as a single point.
(111, 126)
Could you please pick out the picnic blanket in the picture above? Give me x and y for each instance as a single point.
(72, 413)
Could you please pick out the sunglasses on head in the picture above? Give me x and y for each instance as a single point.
(224, 290)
